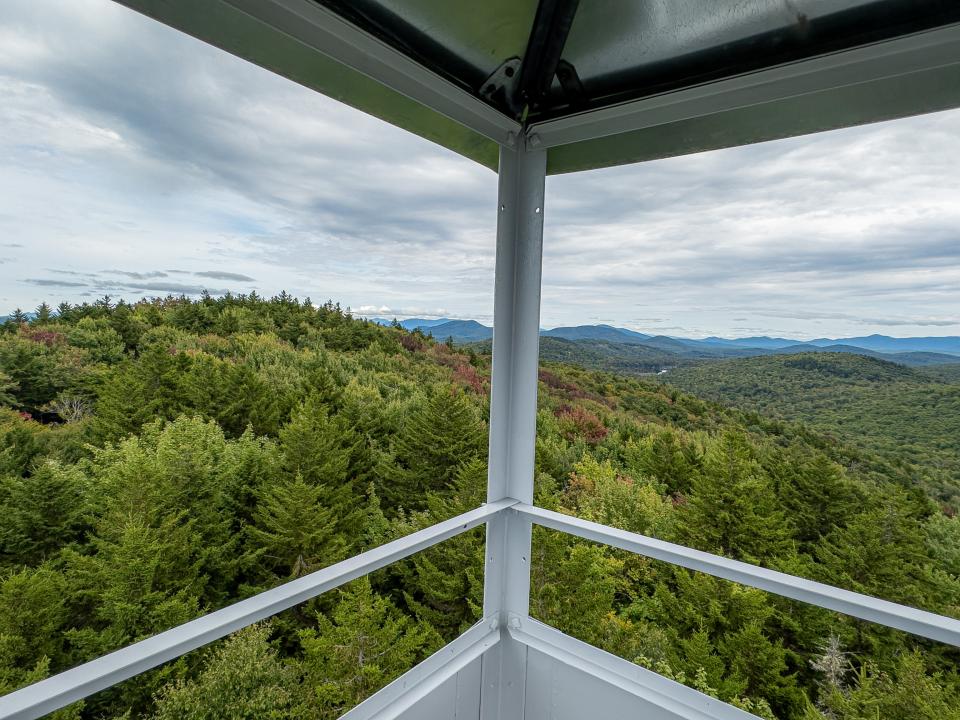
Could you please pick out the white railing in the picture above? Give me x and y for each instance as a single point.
(55, 692)
(77, 683)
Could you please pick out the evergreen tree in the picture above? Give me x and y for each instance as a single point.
(907, 693)
(661, 457)
(444, 584)
(363, 645)
(880, 552)
(441, 432)
(243, 679)
(7, 389)
(732, 508)
(140, 391)
(294, 531)
(815, 493)
(33, 613)
(45, 513)
(326, 453)
(43, 314)
(39, 371)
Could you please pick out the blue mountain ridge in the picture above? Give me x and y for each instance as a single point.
(923, 350)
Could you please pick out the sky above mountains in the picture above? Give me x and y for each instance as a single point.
(138, 161)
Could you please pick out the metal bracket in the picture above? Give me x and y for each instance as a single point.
(500, 88)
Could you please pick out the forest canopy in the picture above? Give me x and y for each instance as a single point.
(165, 458)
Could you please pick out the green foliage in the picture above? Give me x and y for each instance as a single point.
(907, 692)
(7, 389)
(98, 338)
(732, 508)
(165, 458)
(910, 416)
(294, 530)
(363, 645)
(44, 513)
(243, 679)
(441, 432)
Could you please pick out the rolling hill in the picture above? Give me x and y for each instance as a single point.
(897, 411)
(612, 348)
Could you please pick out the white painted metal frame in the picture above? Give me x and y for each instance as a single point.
(513, 415)
(865, 607)
(60, 690)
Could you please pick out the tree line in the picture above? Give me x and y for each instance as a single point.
(165, 458)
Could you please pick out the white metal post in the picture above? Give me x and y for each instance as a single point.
(513, 417)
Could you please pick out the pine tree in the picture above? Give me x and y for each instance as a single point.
(43, 314)
(45, 512)
(243, 679)
(441, 433)
(137, 392)
(906, 693)
(733, 509)
(363, 645)
(33, 615)
(662, 458)
(7, 389)
(293, 531)
(881, 552)
(815, 493)
(326, 453)
(443, 585)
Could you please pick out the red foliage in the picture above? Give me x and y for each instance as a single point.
(38, 335)
(467, 374)
(554, 382)
(411, 342)
(25, 416)
(580, 422)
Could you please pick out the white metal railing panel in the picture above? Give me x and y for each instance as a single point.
(55, 692)
(568, 679)
(438, 674)
(919, 622)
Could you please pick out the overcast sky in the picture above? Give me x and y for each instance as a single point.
(137, 161)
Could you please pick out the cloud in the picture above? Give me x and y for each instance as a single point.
(193, 159)
(47, 282)
(138, 275)
(218, 275)
(173, 288)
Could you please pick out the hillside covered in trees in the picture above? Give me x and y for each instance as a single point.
(910, 416)
(163, 459)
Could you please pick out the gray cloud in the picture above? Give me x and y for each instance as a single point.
(47, 282)
(138, 275)
(174, 288)
(193, 159)
(218, 275)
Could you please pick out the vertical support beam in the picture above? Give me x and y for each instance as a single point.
(513, 418)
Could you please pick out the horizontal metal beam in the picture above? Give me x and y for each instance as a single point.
(919, 622)
(55, 692)
(328, 33)
(893, 58)
(414, 685)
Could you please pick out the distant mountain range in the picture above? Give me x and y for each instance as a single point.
(652, 352)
